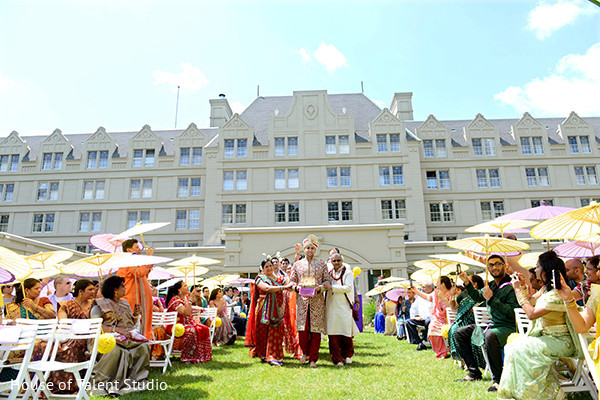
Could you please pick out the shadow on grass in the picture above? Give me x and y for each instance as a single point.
(169, 393)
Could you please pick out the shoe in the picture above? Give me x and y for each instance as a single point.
(313, 364)
(137, 336)
(118, 337)
(303, 359)
(468, 378)
(340, 364)
(275, 363)
(420, 347)
(493, 388)
(348, 360)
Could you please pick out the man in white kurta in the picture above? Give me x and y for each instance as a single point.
(341, 327)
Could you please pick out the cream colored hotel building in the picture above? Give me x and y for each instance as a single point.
(384, 189)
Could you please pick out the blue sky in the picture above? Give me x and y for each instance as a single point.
(77, 65)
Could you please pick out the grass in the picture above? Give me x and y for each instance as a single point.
(383, 368)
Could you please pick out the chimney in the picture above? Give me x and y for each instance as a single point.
(220, 112)
(402, 106)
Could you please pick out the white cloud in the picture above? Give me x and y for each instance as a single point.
(549, 16)
(572, 86)
(379, 103)
(190, 78)
(304, 54)
(237, 107)
(330, 57)
(6, 85)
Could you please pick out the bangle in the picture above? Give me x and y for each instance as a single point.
(572, 304)
(570, 301)
(521, 298)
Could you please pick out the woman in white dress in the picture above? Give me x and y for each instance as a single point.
(341, 327)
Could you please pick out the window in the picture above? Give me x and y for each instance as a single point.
(577, 142)
(140, 188)
(487, 178)
(441, 212)
(133, 217)
(588, 201)
(391, 175)
(537, 176)
(292, 146)
(435, 148)
(6, 166)
(491, 209)
(6, 191)
(43, 222)
(90, 221)
(93, 190)
(233, 214)
(443, 238)
(98, 159)
(292, 178)
(391, 142)
(47, 191)
(186, 152)
(237, 179)
(537, 203)
(484, 147)
(4, 222)
(187, 219)
(527, 148)
(143, 158)
(185, 244)
(586, 175)
(52, 161)
(230, 148)
(438, 179)
(337, 144)
(188, 187)
(339, 211)
(338, 175)
(393, 209)
(287, 212)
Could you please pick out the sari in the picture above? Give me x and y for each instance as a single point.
(195, 343)
(464, 317)
(268, 321)
(528, 360)
(224, 334)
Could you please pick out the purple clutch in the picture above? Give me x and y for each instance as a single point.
(307, 292)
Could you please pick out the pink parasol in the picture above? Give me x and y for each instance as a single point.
(577, 249)
(537, 213)
(159, 273)
(241, 281)
(6, 276)
(105, 242)
(395, 294)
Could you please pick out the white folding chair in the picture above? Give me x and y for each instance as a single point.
(236, 310)
(164, 319)
(70, 329)
(451, 315)
(210, 312)
(585, 378)
(45, 331)
(523, 322)
(483, 320)
(25, 340)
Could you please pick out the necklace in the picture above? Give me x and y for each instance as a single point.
(332, 273)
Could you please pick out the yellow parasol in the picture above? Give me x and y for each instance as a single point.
(193, 264)
(47, 264)
(382, 289)
(424, 275)
(459, 258)
(444, 267)
(572, 224)
(500, 225)
(16, 265)
(220, 280)
(392, 279)
(109, 262)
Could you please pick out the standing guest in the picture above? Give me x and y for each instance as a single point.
(138, 287)
(195, 343)
(463, 303)
(29, 304)
(420, 315)
(440, 299)
(501, 302)
(267, 318)
(126, 366)
(341, 327)
(310, 273)
(72, 351)
(290, 338)
(528, 360)
(62, 291)
(224, 334)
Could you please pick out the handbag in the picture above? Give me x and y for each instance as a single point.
(355, 315)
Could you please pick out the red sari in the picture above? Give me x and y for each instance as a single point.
(195, 343)
(266, 319)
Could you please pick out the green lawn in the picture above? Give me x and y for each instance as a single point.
(383, 368)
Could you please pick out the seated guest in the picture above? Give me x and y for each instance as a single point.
(379, 315)
(224, 334)
(582, 290)
(528, 360)
(463, 303)
(122, 369)
(7, 294)
(501, 302)
(30, 305)
(420, 315)
(205, 296)
(440, 298)
(403, 312)
(244, 303)
(158, 303)
(575, 272)
(390, 325)
(62, 291)
(195, 343)
(62, 382)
